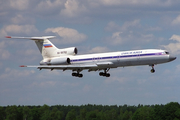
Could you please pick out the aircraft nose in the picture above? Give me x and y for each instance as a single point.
(171, 58)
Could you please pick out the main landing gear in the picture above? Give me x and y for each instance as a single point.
(152, 70)
(77, 74)
(105, 74)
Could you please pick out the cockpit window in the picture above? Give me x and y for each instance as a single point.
(167, 53)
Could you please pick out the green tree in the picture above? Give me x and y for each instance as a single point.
(19, 113)
(120, 117)
(2, 113)
(130, 115)
(26, 112)
(71, 115)
(56, 114)
(157, 113)
(143, 113)
(126, 115)
(92, 115)
(34, 114)
(101, 115)
(53, 113)
(45, 112)
(11, 112)
(59, 115)
(111, 114)
(171, 110)
(177, 113)
(83, 114)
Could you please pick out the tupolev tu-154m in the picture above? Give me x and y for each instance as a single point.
(67, 58)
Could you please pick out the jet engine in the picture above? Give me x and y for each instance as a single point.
(68, 51)
(60, 61)
(57, 61)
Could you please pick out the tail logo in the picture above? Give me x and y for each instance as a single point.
(47, 45)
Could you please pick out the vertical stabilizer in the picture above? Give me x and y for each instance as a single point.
(47, 49)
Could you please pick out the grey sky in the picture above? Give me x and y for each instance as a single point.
(92, 26)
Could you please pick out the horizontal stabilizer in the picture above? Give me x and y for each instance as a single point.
(46, 48)
(32, 38)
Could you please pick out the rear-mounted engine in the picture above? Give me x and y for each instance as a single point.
(57, 61)
(68, 51)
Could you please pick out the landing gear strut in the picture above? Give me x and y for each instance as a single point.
(152, 70)
(105, 74)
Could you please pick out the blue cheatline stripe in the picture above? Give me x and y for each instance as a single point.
(112, 57)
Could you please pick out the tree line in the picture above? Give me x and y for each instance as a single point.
(170, 111)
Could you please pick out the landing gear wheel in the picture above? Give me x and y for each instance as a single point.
(104, 74)
(74, 74)
(80, 75)
(152, 70)
(107, 75)
(101, 74)
(77, 75)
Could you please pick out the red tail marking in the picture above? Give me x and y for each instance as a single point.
(23, 66)
(8, 36)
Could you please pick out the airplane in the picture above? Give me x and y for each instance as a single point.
(67, 58)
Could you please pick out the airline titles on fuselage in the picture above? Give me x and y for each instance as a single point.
(131, 52)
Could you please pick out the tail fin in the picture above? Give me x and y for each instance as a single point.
(47, 49)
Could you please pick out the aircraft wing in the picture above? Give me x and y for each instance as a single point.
(63, 67)
(73, 67)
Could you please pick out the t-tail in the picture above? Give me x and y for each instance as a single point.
(48, 50)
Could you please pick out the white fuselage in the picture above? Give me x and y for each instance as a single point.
(123, 58)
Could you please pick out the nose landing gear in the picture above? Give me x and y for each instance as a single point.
(152, 70)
